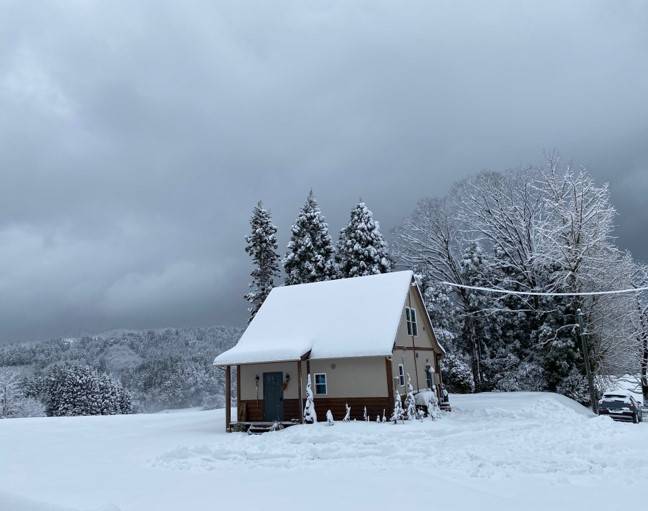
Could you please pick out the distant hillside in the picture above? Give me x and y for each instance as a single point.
(164, 368)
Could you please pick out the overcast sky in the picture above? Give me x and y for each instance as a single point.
(135, 137)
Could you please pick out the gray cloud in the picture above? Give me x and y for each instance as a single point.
(135, 138)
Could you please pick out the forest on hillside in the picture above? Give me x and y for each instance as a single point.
(157, 369)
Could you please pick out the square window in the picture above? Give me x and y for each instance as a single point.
(320, 383)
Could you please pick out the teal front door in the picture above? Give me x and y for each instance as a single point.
(273, 409)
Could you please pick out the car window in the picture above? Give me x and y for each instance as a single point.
(613, 404)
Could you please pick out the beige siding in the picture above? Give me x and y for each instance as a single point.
(425, 337)
(415, 371)
(353, 377)
(347, 377)
(248, 379)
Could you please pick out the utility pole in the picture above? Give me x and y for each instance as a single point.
(588, 368)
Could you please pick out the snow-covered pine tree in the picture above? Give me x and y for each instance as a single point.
(384, 417)
(361, 249)
(261, 246)
(124, 399)
(329, 418)
(364, 415)
(397, 413)
(310, 415)
(410, 402)
(310, 256)
(476, 333)
(9, 392)
(347, 413)
(71, 389)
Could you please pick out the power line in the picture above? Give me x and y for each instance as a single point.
(539, 293)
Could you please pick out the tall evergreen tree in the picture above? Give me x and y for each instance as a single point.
(475, 332)
(361, 248)
(310, 252)
(262, 248)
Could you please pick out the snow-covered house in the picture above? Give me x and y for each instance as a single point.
(358, 338)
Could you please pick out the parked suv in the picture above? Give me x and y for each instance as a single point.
(621, 407)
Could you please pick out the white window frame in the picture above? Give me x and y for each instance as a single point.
(401, 375)
(325, 384)
(412, 324)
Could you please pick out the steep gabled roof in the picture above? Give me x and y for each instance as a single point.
(356, 317)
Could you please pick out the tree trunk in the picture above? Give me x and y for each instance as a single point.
(475, 355)
(643, 338)
(644, 368)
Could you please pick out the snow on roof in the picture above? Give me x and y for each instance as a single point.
(355, 317)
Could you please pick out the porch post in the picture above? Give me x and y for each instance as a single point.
(239, 407)
(299, 392)
(228, 397)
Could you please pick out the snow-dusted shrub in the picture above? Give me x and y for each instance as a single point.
(364, 414)
(310, 415)
(526, 377)
(347, 413)
(329, 418)
(433, 410)
(575, 387)
(410, 402)
(457, 375)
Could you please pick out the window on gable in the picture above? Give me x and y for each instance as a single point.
(410, 316)
(320, 383)
(401, 375)
(428, 376)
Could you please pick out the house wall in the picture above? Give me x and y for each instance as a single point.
(414, 352)
(352, 377)
(346, 377)
(249, 372)
(359, 382)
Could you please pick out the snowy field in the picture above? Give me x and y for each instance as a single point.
(495, 451)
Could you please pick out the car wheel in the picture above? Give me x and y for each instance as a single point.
(635, 419)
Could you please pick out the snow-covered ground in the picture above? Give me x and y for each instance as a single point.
(495, 451)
